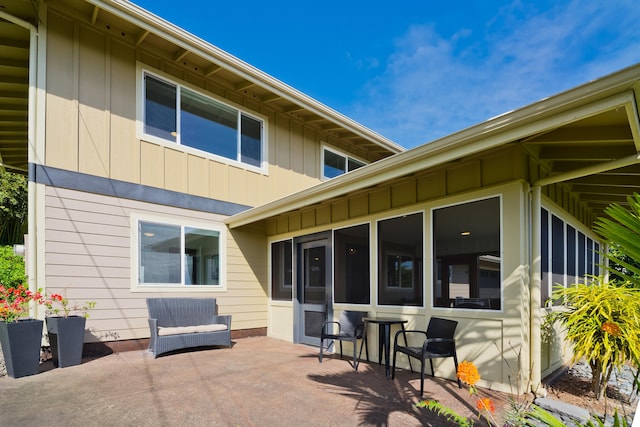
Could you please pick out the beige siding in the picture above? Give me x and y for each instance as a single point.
(62, 107)
(91, 124)
(87, 257)
(125, 153)
(93, 129)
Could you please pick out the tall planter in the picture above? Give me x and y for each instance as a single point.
(21, 342)
(66, 337)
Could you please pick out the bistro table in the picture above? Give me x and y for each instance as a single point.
(384, 337)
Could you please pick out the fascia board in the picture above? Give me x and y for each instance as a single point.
(152, 23)
(584, 101)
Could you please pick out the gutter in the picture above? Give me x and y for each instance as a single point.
(146, 20)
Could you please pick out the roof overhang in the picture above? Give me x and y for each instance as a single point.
(592, 130)
(133, 25)
(197, 54)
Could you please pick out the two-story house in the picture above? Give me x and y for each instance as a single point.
(160, 165)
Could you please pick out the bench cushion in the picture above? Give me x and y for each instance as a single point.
(164, 331)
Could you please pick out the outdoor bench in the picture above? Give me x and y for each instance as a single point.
(177, 323)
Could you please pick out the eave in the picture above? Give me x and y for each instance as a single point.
(608, 104)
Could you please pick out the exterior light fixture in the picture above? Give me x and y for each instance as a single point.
(465, 233)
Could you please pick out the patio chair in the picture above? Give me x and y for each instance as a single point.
(351, 327)
(439, 342)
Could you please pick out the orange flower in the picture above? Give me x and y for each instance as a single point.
(485, 404)
(611, 328)
(468, 373)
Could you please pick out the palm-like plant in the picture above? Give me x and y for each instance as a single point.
(622, 230)
(602, 321)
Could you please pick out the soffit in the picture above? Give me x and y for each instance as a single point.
(14, 82)
(596, 157)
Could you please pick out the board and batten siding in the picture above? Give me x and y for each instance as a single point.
(87, 257)
(91, 124)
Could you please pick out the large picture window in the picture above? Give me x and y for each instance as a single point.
(352, 276)
(174, 113)
(282, 270)
(178, 255)
(467, 256)
(400, 247)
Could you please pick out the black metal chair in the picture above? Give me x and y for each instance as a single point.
(351, 327)
(439, 343)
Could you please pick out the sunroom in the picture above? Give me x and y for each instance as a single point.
(477, 227)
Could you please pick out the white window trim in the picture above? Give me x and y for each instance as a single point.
(142, 69)
(135, 220)
(347, 156)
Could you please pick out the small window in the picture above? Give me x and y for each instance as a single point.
(400, 271)
(178, 255)
(281, 270)
(178, 114)
(335, 163)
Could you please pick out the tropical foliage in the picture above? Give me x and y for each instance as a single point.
(13, 207)
(621, 228)
(12, 270)
(602, 321)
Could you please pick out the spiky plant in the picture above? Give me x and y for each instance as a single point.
(621, 228)
(602, 321)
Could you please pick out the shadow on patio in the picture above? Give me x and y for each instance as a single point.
(258, 382)
(383, 402)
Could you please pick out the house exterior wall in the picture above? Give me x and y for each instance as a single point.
(88, 257)
(91, 124)
(95, 167)
(494, 339)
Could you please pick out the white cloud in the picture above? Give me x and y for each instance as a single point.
(432, 86)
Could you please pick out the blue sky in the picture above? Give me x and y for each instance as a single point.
(417, 70)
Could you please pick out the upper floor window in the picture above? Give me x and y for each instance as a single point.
(172, 112)
(335, 163)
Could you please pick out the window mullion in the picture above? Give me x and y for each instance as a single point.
(239, 146)
(182, 255)
(178, 114)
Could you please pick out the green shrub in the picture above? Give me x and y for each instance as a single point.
(13, 207)
(12, 272)
(602, 321)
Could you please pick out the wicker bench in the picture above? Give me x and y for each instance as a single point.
(177, 323)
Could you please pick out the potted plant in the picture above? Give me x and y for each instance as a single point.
(20, 337)
(66, 330)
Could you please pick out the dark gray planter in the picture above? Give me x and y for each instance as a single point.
(66, 337)
(21, 342)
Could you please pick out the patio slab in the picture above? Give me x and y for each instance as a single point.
(258, 382)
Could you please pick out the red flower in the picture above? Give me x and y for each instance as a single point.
(611, 328)
(485, 404)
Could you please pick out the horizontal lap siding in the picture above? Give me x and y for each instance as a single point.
(87, 257)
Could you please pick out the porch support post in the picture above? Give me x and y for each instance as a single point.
(535, 332)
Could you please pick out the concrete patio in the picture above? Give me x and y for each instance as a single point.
(258, 382)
